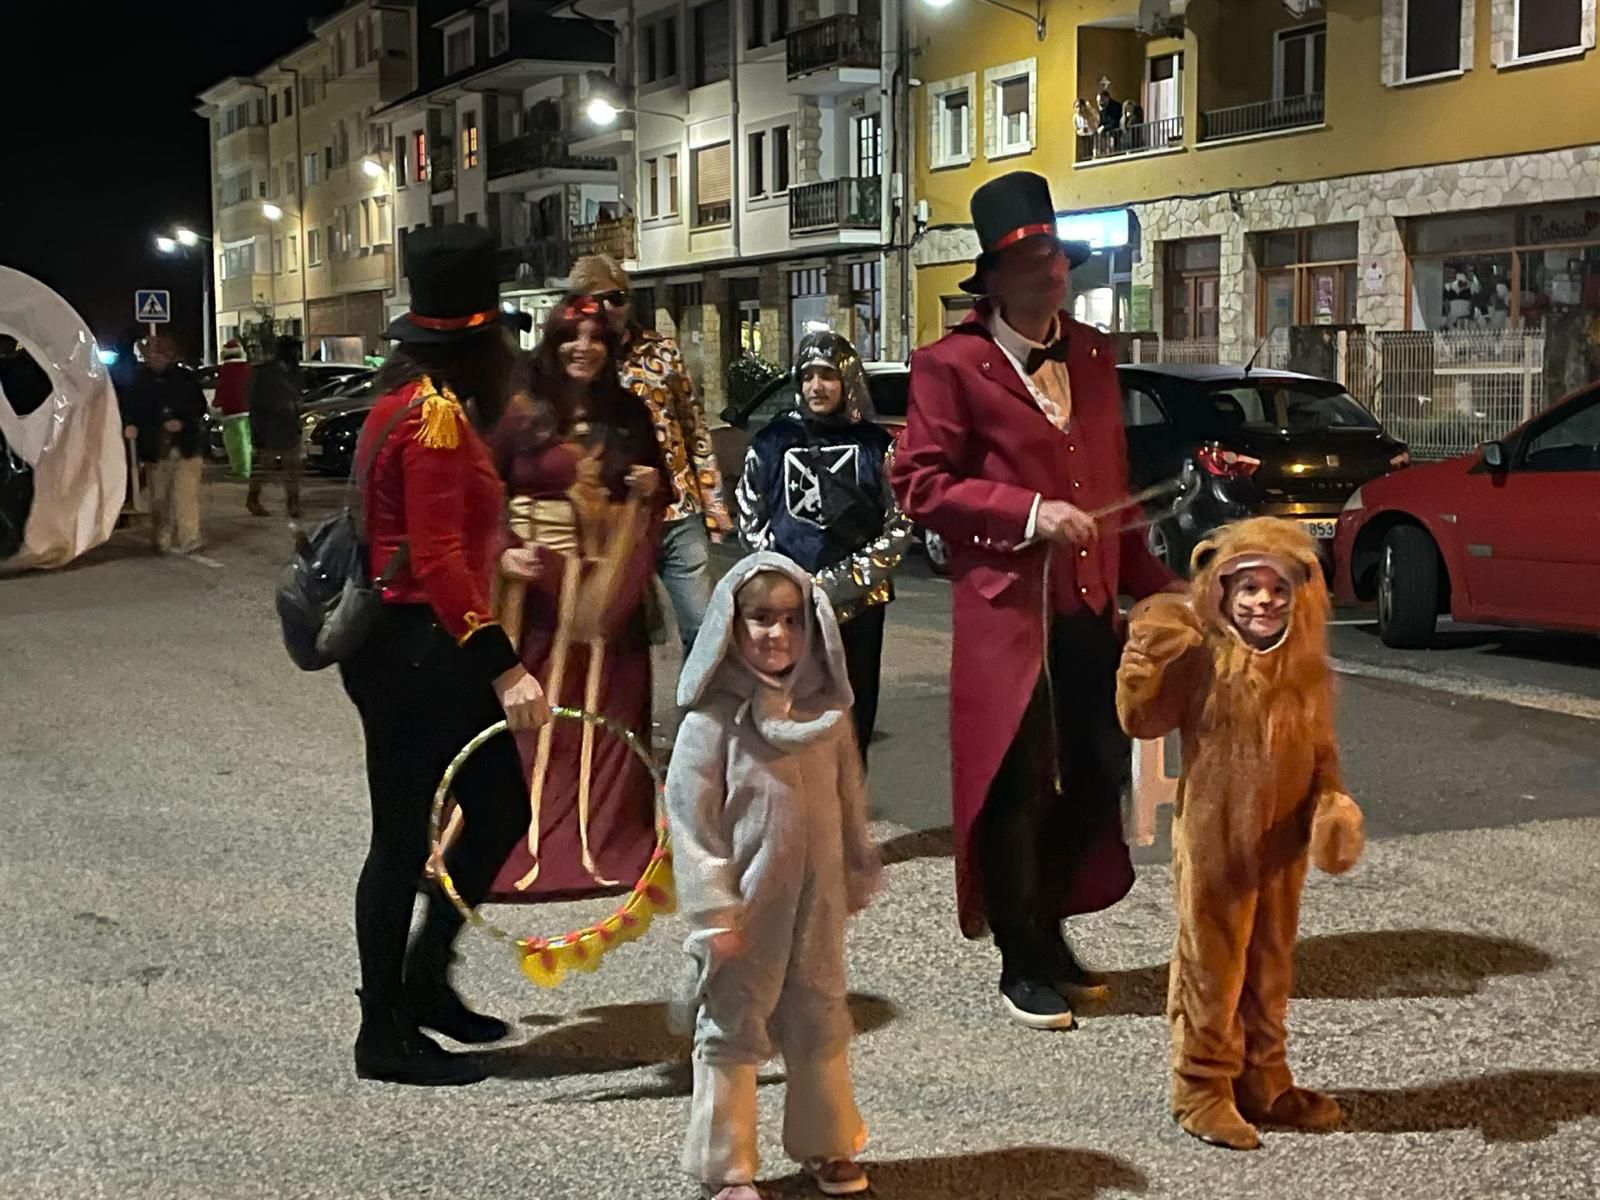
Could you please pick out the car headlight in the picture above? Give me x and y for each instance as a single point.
(1355, 503)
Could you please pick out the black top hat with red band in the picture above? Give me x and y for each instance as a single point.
(455, 292)
(1008, 210)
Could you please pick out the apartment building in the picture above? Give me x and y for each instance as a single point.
(1258, 165)
(757, 146)
(487, 143)
(303, 214)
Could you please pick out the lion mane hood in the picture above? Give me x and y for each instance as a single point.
(1286, 549)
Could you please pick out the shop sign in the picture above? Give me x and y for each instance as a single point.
(1108, 229)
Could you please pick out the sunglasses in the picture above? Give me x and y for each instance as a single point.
(616, 299)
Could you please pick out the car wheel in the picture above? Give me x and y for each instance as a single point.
(938, 553)
(1162, 542)
(1408, 588)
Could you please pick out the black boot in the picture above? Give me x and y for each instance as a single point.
(433, 1003)
(391, 1048)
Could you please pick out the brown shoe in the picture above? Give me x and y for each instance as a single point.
(1204, 1108)
(1297, 1108)
(836, 1176)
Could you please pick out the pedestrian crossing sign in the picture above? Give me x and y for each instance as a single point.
(152, 306)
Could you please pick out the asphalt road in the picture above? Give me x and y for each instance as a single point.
(187, 816)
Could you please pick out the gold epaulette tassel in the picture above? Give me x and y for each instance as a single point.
(441, 418)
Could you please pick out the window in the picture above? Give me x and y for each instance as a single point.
(238, 261)
(383, 228)
(808, 300)
(306, 92)
(712, 193)
(402, 168)
(314, 247)
(780, 159)
(366, 225)
(950, 132)
(272, 108)
(277, 256)
(1194, 276)
(338, 53)
(457, 50)
(659, 183)
(419, 155)
(499, 30)
(288, 103)
(374, 42)
(1307, 277)
(1013, 114)
(313, 169)
(469, 139)
(866, 305)
(869, 146)
(293, 244)
(658, 50)
(1140, 408)
(1571, 443)
(272, 183)
(361, 44)
(1548, 27)
(1163, 89)
(711, 43)
(327, 157)
(756, 161)
(755, 24)
(1432, 38)
(780, 19)
(1301, 65)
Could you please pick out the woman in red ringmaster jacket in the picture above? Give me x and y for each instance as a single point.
(1013, 439)
(436, 670)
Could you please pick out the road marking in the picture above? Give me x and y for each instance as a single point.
(205, 562)
(1538, 699)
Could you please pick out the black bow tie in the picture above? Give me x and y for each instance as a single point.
(1056, 351)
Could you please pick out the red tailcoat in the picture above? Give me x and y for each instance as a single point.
(975, 452)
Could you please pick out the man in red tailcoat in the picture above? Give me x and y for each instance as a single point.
(1013, 441)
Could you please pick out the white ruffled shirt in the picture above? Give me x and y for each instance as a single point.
(1050, 386)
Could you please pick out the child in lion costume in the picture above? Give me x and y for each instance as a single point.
(1240, 667)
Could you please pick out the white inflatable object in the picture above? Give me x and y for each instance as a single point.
(73, 440)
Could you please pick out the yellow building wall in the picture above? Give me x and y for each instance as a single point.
(1485, 113)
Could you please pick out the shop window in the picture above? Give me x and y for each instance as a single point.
(1193, 286)
(1307, 277)
(866, 303)
(1548, 27)
(808, 301)
(744, 297)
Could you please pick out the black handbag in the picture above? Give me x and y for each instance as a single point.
(328, 601)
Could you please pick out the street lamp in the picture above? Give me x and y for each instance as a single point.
(189, 239)
(602, 112)
(272, 212)
(1036, 16)
(372, 167)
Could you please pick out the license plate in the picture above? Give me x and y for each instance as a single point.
(316, 451)
(1323, 531)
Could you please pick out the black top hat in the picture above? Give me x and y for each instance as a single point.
(454, 289)
(1008, 209)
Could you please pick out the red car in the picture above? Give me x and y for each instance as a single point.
(1506, 535)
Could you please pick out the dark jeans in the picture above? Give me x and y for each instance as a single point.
(1030, 838)
(419, 705)
(863, 660)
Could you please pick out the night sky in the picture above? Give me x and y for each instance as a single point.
(105, 148)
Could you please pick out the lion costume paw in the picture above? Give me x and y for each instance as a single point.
(1337, 835)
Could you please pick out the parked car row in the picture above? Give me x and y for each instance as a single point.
(322, 379)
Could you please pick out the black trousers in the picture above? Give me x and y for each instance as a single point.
(419, 704)
(862, 635)
(1031, 839)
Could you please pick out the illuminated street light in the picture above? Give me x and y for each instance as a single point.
(188, 237)
(272, 212)
(602, 112)
(372, 167)
(166, 245)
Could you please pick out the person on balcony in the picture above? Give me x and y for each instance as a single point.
(652, 368)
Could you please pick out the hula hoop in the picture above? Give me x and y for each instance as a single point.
(546, 961)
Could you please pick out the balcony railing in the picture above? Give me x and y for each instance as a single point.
(534, 262)
(543, 149)
(442, 179)
(842, 41)
(614, 238)
(835, 204)
(1269, 116)
(1131, 139)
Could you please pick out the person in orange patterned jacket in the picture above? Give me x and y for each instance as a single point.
(697, 513)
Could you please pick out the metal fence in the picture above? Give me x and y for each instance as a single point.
(1442, 393)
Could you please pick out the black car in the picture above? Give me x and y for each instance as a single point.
(1267, 443)
(330, 426)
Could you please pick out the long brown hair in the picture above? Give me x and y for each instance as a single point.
(613, 408)
(478, 369)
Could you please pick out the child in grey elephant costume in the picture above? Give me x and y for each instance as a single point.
(767, 808)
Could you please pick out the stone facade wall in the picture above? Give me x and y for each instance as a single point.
(1376, 203)
(808, 141)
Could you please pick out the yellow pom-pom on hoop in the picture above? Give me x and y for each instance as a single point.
(546, 961)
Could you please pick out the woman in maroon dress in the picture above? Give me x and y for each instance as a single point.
(583, 479)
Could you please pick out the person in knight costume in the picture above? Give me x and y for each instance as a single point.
(815, 488)
(1013, 443)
